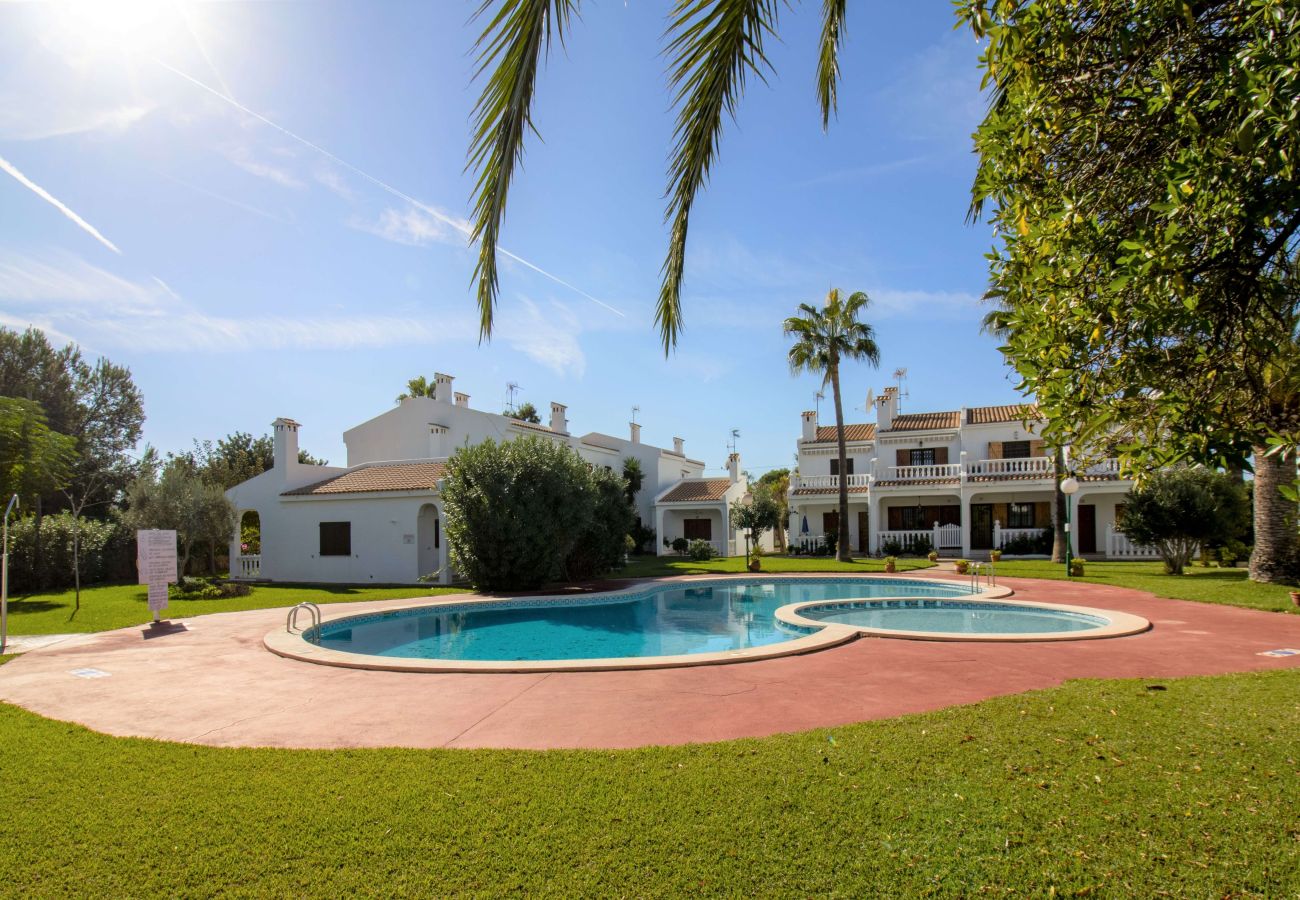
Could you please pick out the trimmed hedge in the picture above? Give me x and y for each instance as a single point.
(107, 553)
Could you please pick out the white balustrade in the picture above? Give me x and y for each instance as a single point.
(247, 567)
(830, 481)
(1118, 546)
(1105, 467)
(915, 473)
(1000, 468)
(1001, 536)
(909, 541)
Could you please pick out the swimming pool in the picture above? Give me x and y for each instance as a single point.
(677, 623)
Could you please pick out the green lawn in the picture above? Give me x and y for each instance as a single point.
(656, 566)
(1103, 788)
(104, 607)
(1230, 587)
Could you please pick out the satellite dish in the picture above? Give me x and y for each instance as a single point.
(871, 398)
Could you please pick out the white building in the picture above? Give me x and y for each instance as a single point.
(380, 518)
(967, 480)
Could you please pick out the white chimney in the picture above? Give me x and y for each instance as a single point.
(636, 433)
(437, 441)
(809, 425)
(886, 408)
(442, 387)
(678, 444)
(558, 422)
(286, 443)
(733, 467)
(462, 400)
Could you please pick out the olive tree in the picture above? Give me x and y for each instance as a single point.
(179, 498)
(1179, 510)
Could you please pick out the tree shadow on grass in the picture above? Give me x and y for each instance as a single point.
(18, 606)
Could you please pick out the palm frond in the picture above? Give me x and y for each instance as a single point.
(510, 48)
(712, 45)
(828, 61)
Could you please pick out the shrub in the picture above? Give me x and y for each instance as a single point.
(1178, 510)
(932, 556)
(680, 545)
(643, 538)
(700, 551)
(1029, 544)
(516, 512)
(891, 547)
(601, 545)
(207, 589)
(107, 553)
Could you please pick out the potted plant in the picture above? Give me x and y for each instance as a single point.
(963, 566)
(891, 564)
(1295, 598)
(995, 555)
(1076, 567)
(755, 564)
(932, 556)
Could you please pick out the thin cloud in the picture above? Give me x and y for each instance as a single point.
(230, 201)
(458, 224)
(548, 338)
(331, 179)
(49, 198)
(49, 120)
(242, 157)
(411, 226)
(863, 173)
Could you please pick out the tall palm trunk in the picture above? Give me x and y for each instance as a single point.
(1275, 556)
(842, 541)
(1058, 508)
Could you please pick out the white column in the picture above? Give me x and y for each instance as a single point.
(965, 525)
(444, 551)
(659, 531)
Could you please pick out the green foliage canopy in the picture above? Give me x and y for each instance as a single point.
(1180, 510)
(33, 459)
(180, 498)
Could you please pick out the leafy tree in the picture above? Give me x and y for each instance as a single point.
(525, 413)
(517, 510)
(179, 498)
(1139, 160)
(776, 484)
(1181, 509)
(711, 48)
(824, 338)
(238, 457)
(602, 544)
(417, 387)
(33, 459)
(633, 479)
(755, 518)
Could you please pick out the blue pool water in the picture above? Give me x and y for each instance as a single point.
(956, 617)
(667, 620)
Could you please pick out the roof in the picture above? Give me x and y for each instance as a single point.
(397, 477)
(532, 426)
(851, 433)
(704, 489)
(918, 482)
(803, 492)
(926, 421)
(995, 415)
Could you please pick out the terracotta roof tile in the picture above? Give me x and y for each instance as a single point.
(995, 415)
(1017, 476)
(705, 489)
(917, 482)
(397, 477)
(829, 433)
(926, 421)
(803, 492)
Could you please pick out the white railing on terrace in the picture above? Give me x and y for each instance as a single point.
(1105, 467)
(908, 541)
(247, 567)
(1033, 465)
(914, 473)
(830, 481)
(1120, 547)
(1001, 536)
(946, 536)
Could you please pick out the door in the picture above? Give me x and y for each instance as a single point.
(831, 523)
(1087, 527)
(862, 531)
(981, 526)
(428, 534)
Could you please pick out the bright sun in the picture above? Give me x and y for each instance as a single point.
(113, 27)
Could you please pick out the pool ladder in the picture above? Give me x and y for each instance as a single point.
(312, 610)
(990, 576)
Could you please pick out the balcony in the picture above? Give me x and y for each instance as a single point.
(1040, 466)
(925, 473)
(1032, 468)
(828, 482)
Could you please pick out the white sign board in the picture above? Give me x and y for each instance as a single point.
(155, 558)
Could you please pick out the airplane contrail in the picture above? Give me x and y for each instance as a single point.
(437, 214)
(58, 204)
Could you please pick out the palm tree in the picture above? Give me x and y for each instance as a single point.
(416, 387)
(824, 338)
(712, 45)
(633, 479)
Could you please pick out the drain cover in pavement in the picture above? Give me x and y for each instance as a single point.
(90, 673)
(1285, 651)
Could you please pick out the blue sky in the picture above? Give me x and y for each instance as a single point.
(243, 275)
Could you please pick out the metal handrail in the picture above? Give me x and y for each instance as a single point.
(990, 576)
(312, 610)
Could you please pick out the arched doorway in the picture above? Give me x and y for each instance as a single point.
(246, 558)
(428, 535)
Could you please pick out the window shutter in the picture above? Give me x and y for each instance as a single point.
(1043, 515)
(1038, 448)
(835, 466)
(895, 518)
(941, 456)
(901, 457)
(849, 464)
(995, 449)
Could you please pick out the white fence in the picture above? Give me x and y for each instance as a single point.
(246, 567)
(1120, 547)
(946, 537)
(1001, 468)
(831, 481)
(916, 473)
(1002, 535)
(910, 541)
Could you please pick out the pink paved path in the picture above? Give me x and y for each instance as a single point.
(216, 684)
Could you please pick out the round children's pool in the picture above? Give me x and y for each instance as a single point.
(673, 624)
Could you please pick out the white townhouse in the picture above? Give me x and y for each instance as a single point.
(968, 481)
(380, 518)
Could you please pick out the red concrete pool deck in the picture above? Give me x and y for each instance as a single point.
(214, 683)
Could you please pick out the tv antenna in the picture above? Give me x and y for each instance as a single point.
(635, 410)
(900, 376)
(817, 401)
(512, 388)
(735, 436)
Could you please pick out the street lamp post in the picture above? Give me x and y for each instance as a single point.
(4, 577)
(1069, 487)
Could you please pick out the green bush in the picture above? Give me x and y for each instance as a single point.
(521, 512)
(1029, 544)
(107, 553)
(700, 551)
(680, 545)
(643, 538)
(1179, 510)
(207, 589)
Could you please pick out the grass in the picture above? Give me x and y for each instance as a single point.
(104, 607)
(1230, 587)
(1110, 788)
(658, 566)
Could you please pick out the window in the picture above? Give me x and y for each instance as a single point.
(1015, 450)
(913, 518)
(335, 538)
(835, 466)
(1020, 515)
(697, 529)
(923, 457)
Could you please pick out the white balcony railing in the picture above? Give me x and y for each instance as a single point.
(1105, 467)
(1001, 468)
(909, 541)
(247, 567)
(830, 481)
(1120, 547)
(917, 473)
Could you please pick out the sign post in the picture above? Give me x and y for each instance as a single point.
(156, 561)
